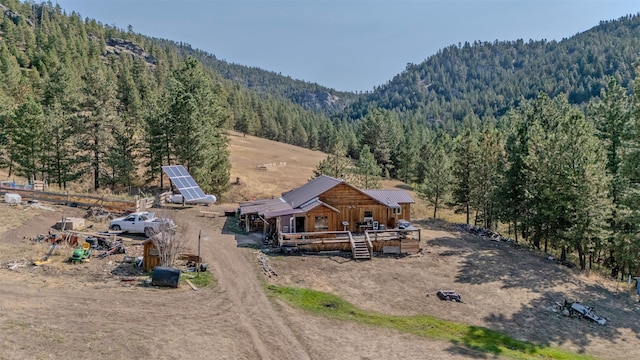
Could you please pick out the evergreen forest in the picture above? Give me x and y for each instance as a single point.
(540, 136)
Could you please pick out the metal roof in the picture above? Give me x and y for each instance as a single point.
(282, 212)
(264, 206)
(310, 190)
(315, 203)
(391, 198)
(305, 198)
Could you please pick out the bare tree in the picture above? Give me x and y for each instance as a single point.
(168, 242)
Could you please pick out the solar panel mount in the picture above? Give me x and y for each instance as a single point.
(181, 178)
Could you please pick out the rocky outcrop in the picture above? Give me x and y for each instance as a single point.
(14, 16)
(117, 46)
(321, 100)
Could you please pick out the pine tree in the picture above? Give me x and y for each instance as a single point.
(366, 172)
(379, 130)
(60, 105)
(465, 156)
(512, 194)
(611, 116)
(327, 136)
(198, 115)
(121, 159)
(27, 139)
(486, 177)
(407, 155)
(12, 81)
(435, 187)
(581, 193)
(157, 138)
(96, 124)
(337, 164)
(6, 115)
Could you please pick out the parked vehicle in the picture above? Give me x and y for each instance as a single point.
(142, 223)
(177, 199)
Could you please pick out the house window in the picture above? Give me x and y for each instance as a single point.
(397, 211)
(368, 214)
(322, 223)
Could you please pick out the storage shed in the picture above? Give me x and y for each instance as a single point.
(150, 257)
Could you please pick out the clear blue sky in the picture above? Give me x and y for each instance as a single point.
(350, 45)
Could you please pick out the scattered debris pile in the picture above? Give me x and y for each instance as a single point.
(113, 247)
(46, 259)
(576, 309)
(449, 295)
(98, 215)
(475, 230)
(266, 265)
(57, 238)
(15, 264)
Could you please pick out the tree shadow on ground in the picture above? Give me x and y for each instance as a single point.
(540, 321)
(231, 226)
(253, 240)
(404, 187)
(433, 224)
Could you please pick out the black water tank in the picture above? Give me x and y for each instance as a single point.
(165, 276)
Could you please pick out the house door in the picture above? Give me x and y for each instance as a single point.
(299, 224)
(292, 227)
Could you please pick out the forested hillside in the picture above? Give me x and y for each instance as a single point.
(78, 97)
(490, 78)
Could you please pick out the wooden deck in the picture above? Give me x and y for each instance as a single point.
(371, 240)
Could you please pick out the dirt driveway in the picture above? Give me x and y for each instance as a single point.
(58, 311)
(85, 311)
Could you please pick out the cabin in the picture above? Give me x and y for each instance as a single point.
(330, 211)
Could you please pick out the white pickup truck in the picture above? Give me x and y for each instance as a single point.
(141, 223)
(177, 199)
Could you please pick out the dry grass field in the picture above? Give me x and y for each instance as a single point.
(292, 167)
(61, 310)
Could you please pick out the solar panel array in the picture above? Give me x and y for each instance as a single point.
(181, 178)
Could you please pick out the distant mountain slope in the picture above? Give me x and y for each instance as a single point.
(309, 95)
(490, 78)
(483, 78)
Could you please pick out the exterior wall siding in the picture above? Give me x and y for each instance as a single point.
(352, 205)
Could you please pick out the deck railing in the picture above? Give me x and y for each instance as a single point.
(353, 246)
(394, 233)
(318, 237)
(369, 243)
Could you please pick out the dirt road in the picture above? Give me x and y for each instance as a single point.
(48, 312)
(234, 268)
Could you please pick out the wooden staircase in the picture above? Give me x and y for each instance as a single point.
(359, 247)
